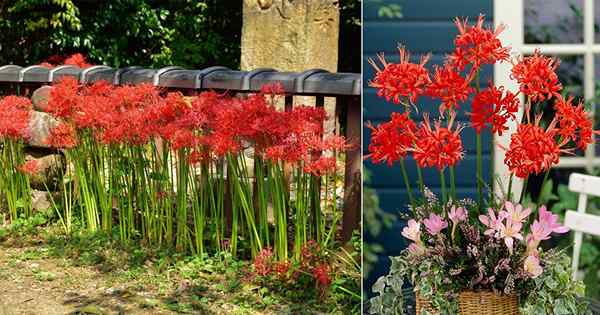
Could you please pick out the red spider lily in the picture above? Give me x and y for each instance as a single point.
(493, 108)
(477, 45)
(30, 167)
(263, 262)
(438, 146)
(321, 166)
(282, 269)
(78, 60)
(309, 254)
(14, 117)
(574, 122)
(124, 120)
(64, 98)
(450, 87)
(390, 141)
(533, 149)
(321, 273)
(403, 79)
(536, 76)
(62, 136)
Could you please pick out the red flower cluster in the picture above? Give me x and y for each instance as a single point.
(574, 122)
(477, 45)
(263, 262)
(321, 275)
(208, 125)
(450, 87)
(311, 263)
(537, 77)
(494, 108)
(403, 79)
(391, 141)
(62, 137)
(77, 59)
(30, 167)
(14, 117)
(533, 149)
(438, 147)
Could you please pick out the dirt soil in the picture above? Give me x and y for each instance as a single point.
(48, 286)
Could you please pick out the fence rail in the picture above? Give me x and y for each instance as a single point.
(318, 83)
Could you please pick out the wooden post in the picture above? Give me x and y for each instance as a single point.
(352, 180)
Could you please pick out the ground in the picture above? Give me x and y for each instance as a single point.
(43, 272)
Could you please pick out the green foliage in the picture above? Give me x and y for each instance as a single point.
(554, 292)
(122, 33)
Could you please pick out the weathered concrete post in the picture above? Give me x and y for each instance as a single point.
(293, 35)
(290, 35)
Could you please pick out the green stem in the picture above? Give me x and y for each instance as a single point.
(443, 186)
(479, 172)
(452, 183)
(407, 183)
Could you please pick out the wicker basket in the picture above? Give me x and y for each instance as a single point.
(481, 303)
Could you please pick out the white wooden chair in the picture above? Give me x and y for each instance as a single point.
(579, 221)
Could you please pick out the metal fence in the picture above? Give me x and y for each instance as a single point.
(317, 83)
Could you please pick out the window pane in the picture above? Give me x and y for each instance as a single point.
(553, 22)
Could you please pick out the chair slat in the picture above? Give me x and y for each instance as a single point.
(584, 184)
(583, 222)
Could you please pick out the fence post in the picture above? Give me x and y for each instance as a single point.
(352, 180)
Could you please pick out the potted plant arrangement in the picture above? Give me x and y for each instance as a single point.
(479, 256)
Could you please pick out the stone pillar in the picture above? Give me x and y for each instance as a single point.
(290, 35)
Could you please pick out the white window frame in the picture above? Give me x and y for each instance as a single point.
(511, 13)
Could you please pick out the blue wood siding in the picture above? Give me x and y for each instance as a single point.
(426, 26)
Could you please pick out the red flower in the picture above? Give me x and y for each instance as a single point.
(321, 275)
(321, 166)
(309, 254)
(263, 262)
(77, 60)
(391, 140)
(14, 117)
(477, 45)
(64, 98)
(403, 79)
(30, 167)
(537, 77)
(439, 147)
(62, 137)
(450, 87)
(492, 108)
(282, 269)
(574, 122)
(533, 149)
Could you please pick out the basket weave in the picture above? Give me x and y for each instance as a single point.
(482, 303)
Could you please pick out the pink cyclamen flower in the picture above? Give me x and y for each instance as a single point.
(491, 221)
(457, 215)
(412, 231)
(509, 231)
(435, 224)
(550, 221)
(515, 212)
(532, 266)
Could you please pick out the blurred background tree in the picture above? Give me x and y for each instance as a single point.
(150, 33)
